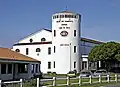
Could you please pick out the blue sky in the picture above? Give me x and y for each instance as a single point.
(19, 18)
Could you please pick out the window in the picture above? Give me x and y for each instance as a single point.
(74, 49)
(26, 51)
(74, 32)
(31, 40)
(54, 64)
(84, 64)
(57, 16)
(54, 49)
(43, 39)
(66, 16)
(22, 68)
(32, 68)
(9, 68)
(3, 68)
(74, 64)
(36, 68)
(75, 16)
(49, 50)
(49, 65)
(39, 67)
(38, 50)
(17, 50)
(54, 33)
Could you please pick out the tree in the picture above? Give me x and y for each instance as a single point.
(106, 53)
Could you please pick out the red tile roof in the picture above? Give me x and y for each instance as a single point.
(8, 54)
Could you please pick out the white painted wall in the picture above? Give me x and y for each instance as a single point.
(37, 37)
(43, 55)
(64, 55)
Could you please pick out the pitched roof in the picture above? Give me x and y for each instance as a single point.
(35, 33)
(33, 43)
(91, 40)
(8, 54)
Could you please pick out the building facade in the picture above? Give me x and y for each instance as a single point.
(61, 49)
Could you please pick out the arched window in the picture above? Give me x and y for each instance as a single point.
(38, 50)
(43, 39)
(31, 40)
(17, 50)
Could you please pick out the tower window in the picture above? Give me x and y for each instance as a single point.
(49, 50)
(54, 33)
(54, 64)
(17, 50)
(74, 32)
(54, 49)
(31, 40)
(27, 51)
(57, 16)
(49, 65)
(43, 39)
(74, 49)
(38, 50)
(74, 64)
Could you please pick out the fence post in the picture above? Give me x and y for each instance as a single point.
(0, 83)
(68, 81)
(99, 78)
(21, 83)
(116, 78)
(90, 79)
(80, 80)
(108, 78)
(54, 81)
(38, 82)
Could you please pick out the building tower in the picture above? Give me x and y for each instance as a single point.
(66, 41)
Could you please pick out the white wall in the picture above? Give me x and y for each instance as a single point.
(37, 37)
(43, 55)
(64, 55)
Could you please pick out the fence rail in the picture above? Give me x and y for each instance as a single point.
(56, 81)
(80, 80)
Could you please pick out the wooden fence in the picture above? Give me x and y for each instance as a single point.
(67, 81)
(79, 82)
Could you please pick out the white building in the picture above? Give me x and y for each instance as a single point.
(60, 50)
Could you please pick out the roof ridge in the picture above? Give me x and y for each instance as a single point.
(33, 34)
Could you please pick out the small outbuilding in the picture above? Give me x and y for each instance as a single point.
(14, 65)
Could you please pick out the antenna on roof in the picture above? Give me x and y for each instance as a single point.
(66, 8)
